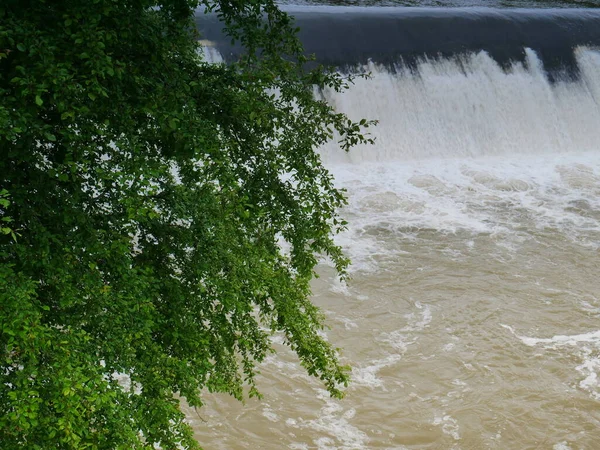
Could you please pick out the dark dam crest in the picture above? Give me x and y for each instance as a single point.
(345, 37)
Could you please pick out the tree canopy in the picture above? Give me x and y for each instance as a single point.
(160, 217)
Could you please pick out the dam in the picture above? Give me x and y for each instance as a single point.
(472, 316)
(345, 37)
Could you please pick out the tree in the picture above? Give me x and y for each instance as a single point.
(161, 217)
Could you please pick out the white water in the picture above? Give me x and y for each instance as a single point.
(473, 317)
(473, 109)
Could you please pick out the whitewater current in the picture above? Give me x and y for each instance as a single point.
(472, 319)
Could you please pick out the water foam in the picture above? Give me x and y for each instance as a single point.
(448, 424)
(416, 323)
(585, 346)
(508, 198)
(561, 446)
(367, 375)
(559, 340)
(334, 421)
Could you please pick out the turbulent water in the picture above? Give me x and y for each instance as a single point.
(472, 320)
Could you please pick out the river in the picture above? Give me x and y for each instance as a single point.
(472, 318)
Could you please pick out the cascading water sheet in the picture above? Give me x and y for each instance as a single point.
(471, 107)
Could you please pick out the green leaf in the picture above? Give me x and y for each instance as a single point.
(146, 228)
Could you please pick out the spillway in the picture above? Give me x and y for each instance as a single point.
(348, 36)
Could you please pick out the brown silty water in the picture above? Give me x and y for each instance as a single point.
(472, 319)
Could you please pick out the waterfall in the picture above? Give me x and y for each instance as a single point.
(470, 106)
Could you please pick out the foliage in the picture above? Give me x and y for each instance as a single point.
(5, 220)
(161, 217)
